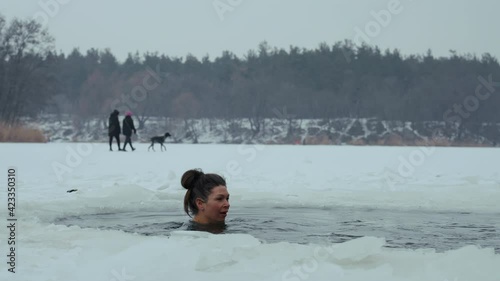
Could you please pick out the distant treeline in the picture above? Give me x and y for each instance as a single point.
(343, 80)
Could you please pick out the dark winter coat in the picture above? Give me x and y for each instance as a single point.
(128, 126)
(114, 124)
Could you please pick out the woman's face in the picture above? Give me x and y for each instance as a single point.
(215, 209)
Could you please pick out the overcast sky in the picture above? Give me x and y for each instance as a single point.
(201, 27)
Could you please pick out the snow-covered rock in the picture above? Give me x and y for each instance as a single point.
(340, 131)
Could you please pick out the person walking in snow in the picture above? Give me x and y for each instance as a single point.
(114, 129)
(128, 127)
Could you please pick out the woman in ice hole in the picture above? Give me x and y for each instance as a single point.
(206, 199)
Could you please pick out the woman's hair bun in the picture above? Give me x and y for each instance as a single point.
(191, 177)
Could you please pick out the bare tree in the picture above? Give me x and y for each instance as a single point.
(24, 45)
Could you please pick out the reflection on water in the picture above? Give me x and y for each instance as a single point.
(401, 229)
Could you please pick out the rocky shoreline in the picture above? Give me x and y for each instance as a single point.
(342, 131)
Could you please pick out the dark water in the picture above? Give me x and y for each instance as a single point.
(401, 229)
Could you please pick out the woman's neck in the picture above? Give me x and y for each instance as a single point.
(203, 220)
(201, 225)
(200, 220)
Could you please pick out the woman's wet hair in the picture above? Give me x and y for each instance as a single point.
(198, 185)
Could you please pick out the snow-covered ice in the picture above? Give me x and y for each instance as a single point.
(287, 176)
